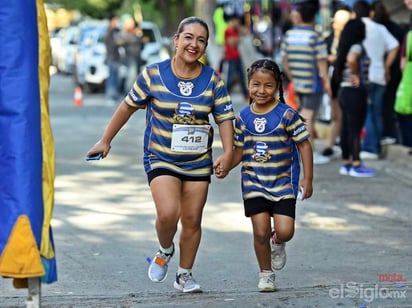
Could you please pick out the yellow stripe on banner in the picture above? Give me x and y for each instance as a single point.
(21, 257)
(46, 248)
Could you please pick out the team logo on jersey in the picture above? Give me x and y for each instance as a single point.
(185, 87)
(261, 152)
(184, 114)
(260, 124)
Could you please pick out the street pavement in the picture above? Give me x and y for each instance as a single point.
(351, 248)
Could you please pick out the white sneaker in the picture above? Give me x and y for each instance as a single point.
(368, 155)
(278, 256)
(388, 140)
(157, 271)
(266, 282)
(319, 159)
(186, 283)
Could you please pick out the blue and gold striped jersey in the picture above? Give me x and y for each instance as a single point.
(271, 160)
(169, 100)
(304, 46)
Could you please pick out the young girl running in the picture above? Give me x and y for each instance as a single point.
(270, 141)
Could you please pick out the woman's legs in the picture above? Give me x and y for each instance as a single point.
(176, 200)
(194, 195)
(166, 193)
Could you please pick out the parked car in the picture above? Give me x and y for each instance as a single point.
(91, 70)
(63, 45)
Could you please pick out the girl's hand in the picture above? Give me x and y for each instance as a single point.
(307, 189)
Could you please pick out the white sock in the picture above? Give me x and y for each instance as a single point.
(185, 271)
(167, 251)
(267, 271)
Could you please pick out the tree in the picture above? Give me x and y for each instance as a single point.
(165, 13)
(98, 9)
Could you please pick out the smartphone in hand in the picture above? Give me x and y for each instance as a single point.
(96, 156)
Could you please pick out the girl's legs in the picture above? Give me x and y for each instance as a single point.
(262, 231)
(284, 229)
(261, 234)
(284, 226)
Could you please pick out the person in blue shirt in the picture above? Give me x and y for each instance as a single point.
(178, 95)
(271, 141)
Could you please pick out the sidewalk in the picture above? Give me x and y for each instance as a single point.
(395, 158)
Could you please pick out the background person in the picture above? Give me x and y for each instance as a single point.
(220, 25)
(310, 77)
(340, 18)
(352, 71)
(178, 94)
(382, 48)
(232, 68)
(131, 40)
(389, 130)
(112, 42)
(405, 120)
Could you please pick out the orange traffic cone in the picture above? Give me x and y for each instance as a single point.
(291, 99)
(78, 97)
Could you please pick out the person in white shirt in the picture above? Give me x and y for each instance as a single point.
(382, 48)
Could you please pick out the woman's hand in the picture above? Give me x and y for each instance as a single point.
(100, 147)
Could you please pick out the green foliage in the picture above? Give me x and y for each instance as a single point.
(166, 13)
(94, 8)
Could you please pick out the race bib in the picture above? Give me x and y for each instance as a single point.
(190, 138)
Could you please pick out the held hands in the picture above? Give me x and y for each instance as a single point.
(222, 165)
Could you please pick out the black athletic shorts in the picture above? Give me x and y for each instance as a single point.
(259, 205)
(163, 171)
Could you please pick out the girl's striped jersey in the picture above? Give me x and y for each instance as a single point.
(271, 160)
(169, 100)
